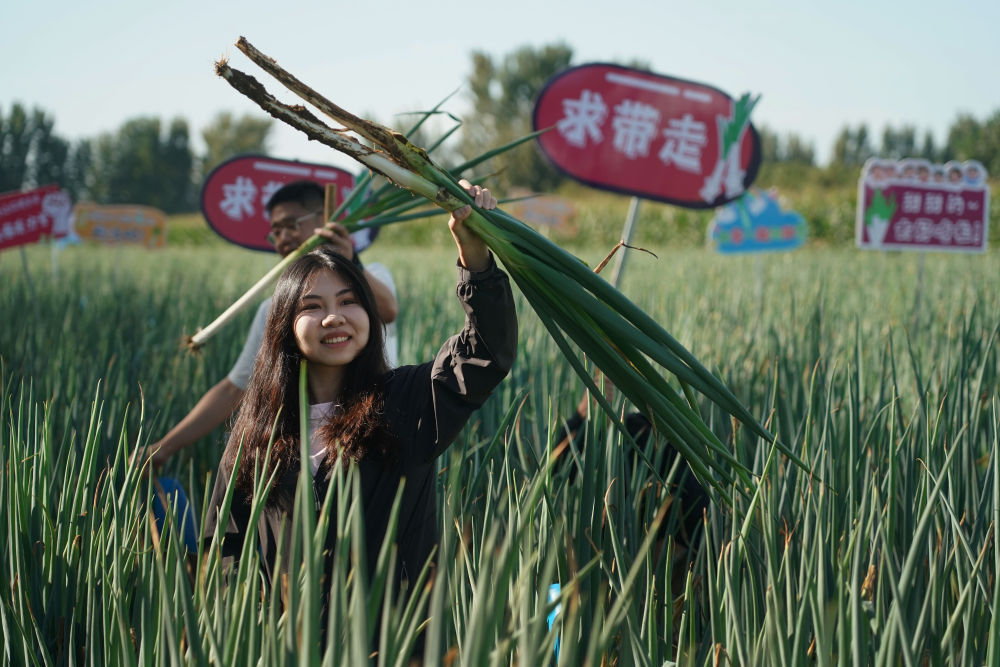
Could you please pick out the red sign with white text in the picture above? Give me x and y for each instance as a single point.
(912, 204)
(235, 195)
(648, 135)
(28, 217)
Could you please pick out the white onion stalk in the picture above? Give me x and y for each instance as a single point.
(196, 341)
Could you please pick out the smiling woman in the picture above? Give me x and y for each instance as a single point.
(390, 425)
(331, 330)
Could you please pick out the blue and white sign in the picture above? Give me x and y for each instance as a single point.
(756, 223)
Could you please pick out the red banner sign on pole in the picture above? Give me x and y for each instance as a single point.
(235, 194)
(647, 135)
(912, 204)
(28, 217)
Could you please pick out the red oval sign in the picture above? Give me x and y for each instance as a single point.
(235, 194)
(648, 135)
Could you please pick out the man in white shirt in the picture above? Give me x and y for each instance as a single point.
(295, 212)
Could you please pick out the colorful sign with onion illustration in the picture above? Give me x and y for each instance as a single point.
(648, 135)
(35, 215)
(913, 204)
(756, 223)
(139, 225)
(235, 195)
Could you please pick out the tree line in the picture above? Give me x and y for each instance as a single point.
(968, 139)
(149, 161)
(145, 161)
(503, 91)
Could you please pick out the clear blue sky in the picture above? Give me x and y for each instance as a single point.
(818, 66)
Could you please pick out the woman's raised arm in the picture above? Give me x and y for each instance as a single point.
(472, 250)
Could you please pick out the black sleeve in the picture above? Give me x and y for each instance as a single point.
(568, 428)
(440, 397)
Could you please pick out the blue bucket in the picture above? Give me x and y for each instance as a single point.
(551, 618)
(168, 493)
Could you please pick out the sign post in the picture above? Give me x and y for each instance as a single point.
(915, 205)
(32, 216)
(27, 274)
(649, 136)
(756, 223)
(627, 232)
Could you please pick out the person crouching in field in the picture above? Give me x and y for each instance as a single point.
(673, 482)
(390, 424)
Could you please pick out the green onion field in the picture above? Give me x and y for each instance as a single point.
(881, 371)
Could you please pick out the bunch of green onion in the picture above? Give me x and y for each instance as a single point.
(572, 301)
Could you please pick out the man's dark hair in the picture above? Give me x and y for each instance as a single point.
(309, 194)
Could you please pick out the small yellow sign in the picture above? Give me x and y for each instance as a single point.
(141, 225)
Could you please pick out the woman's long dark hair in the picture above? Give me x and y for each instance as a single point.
(271, 401)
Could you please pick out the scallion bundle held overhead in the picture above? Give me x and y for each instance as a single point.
(573, 303)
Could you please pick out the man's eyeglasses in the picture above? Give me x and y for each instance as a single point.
(287, 225)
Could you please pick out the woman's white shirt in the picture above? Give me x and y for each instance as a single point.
(318, 413)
